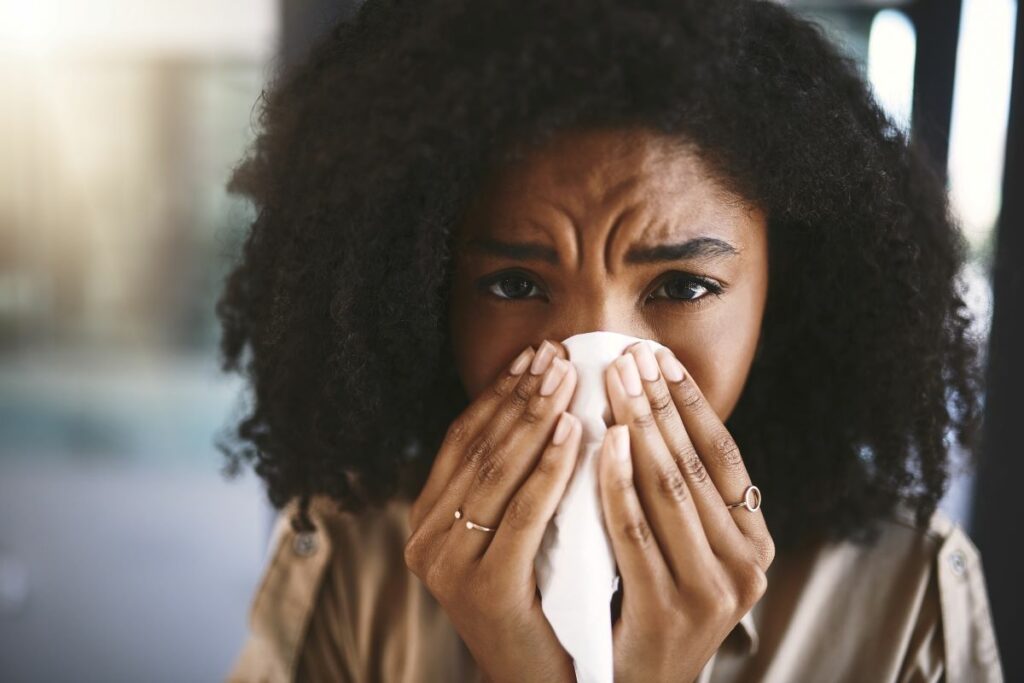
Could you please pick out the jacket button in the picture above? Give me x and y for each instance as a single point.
(958, 562)
(304, 543)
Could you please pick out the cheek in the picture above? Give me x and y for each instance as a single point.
(719, 351)
(487, 338)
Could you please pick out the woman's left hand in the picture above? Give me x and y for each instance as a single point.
(690, 566)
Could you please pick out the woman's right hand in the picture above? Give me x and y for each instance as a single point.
(500, 463)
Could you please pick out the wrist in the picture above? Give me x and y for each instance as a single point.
(557, 668)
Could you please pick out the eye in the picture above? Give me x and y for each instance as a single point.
(509, 286)
(687, 289)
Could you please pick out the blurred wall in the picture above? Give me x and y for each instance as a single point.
(124, 553)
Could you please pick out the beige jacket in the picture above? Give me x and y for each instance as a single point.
(339, 604)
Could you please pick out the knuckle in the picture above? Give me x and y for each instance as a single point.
(533, 412)
(689, 397)
(413, 555)
(520, 396)
(765, 548)
(728, 605)
(752, 584)
(643, 421)
(621, 484)
(480, 449)
(692, 466)
(458, 430)
(491, 470)
(671, 483)
(722, 600)
(661, 405)
(501, 389)
(637, 531)
(520, 513)
(725, 450)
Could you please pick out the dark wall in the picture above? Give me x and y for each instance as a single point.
(996, 530)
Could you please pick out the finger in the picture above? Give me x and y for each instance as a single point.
(519, 535)
(509, 464)
(646, 578)
(725, 537)
(717, 449)
(474, 451)
(662, 489)
(463, 428)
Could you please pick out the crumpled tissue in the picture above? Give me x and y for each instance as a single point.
(575, 565)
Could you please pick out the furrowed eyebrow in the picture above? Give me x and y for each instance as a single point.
(698, 248)
(520, 251)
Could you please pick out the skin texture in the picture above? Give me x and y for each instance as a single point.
(589, 197)
(690, 566)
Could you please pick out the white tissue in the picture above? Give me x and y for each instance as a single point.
(575, 564)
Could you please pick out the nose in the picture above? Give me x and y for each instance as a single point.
(598, 311)
(561, 332)
(592, 353)
(597, 300)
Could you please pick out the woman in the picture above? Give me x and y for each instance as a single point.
(446, 189)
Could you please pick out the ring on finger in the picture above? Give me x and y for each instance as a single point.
(469, 524)
(751, 499)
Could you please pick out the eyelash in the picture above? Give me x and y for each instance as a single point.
(710, 286)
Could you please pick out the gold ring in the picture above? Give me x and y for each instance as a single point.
(469, 524)
(751, 499)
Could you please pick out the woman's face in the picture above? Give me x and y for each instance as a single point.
(611, 230)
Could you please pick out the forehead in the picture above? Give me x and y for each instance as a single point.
(647, 185)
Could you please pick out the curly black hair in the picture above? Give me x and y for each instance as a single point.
(369, 151)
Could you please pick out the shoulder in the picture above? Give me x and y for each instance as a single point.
(941, 548)
(955, 564)
(338, 603)
(926, 588)
(356, 538)
(318, 578)
(280, 611)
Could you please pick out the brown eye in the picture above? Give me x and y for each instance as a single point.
(686, 289)
(510, 286)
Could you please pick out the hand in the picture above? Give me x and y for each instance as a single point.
(500, 463)
(691, 567)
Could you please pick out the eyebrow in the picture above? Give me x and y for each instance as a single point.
(698, 249)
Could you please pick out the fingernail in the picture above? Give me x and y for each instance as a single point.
(629, 375)
(646, 362)
(521, 361)
(554, 377)
(543, 358)
(671, 366)
(562, 429)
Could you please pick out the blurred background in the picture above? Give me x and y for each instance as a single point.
(125, 553)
